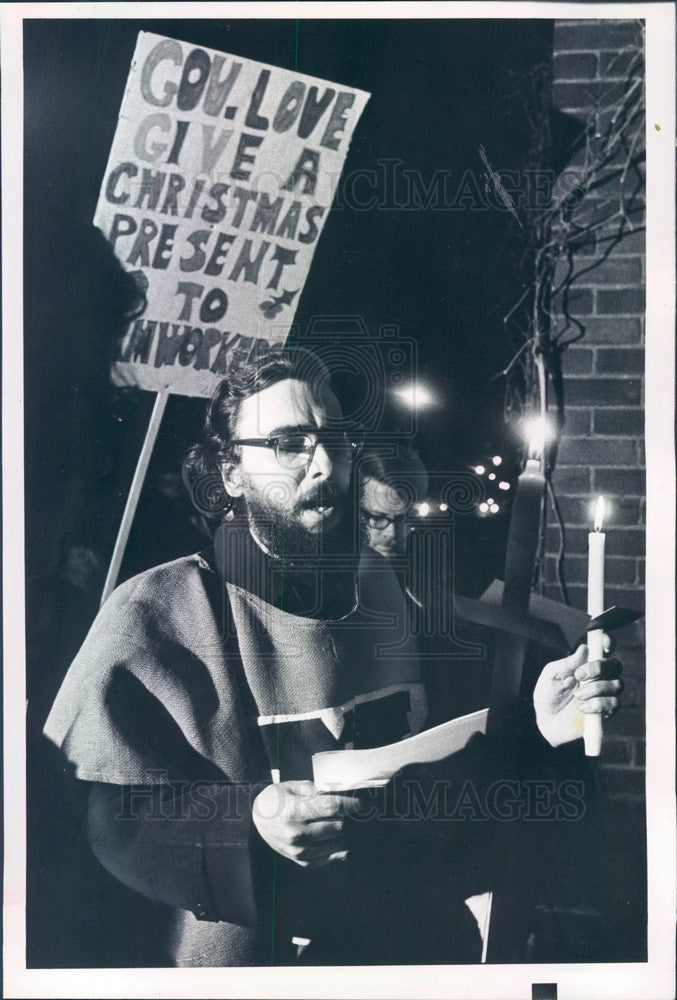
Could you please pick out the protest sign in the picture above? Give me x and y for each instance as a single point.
(220, 178)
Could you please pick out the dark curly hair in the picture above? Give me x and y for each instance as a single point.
(400, 467)
(204, 461)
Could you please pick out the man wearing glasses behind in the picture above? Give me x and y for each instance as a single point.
(205, 686)
(391, 483)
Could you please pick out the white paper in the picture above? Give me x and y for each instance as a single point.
(339, 770)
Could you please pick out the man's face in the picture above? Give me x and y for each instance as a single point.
(290, 503)
(383, 513)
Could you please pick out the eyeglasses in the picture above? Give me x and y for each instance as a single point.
(296, 451)
(377, 521)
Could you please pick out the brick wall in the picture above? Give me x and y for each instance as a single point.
(602, 450)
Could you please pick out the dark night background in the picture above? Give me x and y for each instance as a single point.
(440, 89)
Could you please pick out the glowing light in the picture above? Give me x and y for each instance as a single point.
(497, 460)
(444, 506)
(489, 501)
(484, 507)
(503, 485)
(416, 396)
(480, 470)
(492, 476)
(600, 510)
(424, 509)
(494, 508)
(538, 432)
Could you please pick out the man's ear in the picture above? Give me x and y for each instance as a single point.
(232, 479)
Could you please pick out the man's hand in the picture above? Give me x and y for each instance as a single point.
(301, 823)
(569, 689)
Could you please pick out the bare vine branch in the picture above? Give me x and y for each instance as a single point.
(595, 203)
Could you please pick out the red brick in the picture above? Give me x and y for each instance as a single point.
(578, 597)
(574, 36)
(620, 571)
(577, 361)
(594, 211)
(576, 540)
(572, 479)
(575, 569)
(625, 597)
(587, 96)
(628, 482)
(597, 451)
(619, 421)
(567, 190)
(618, 64)
(607, 120)
(552, 592)
(623, 511)
(632, 654)
(612, 271)
(620, 300)
(622, 330)
(580, 301)
(626, 360)
(575, 65)
(631, 641)
(585, 242)
(617, 750)
(578, 421)
(624, 541)
(629, 721)
(622, 782)
(620, 541)
(601, 391)
(634, 242)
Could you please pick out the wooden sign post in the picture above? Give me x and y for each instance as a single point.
(135, 493)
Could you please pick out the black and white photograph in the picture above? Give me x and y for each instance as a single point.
(338, 451)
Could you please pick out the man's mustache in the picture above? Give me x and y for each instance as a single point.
(320, 496)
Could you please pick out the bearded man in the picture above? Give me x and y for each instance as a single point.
(206, 685)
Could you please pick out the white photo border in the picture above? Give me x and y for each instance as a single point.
(653, 980)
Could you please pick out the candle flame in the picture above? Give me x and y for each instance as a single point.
(537, 432)
(599, 513)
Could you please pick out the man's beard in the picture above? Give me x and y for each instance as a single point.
(280, 529)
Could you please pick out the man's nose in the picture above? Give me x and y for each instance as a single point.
(321, 464)
(389, 532)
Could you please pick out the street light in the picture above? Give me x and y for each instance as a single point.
(416, 396)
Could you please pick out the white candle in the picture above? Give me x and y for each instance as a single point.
(592, 724)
